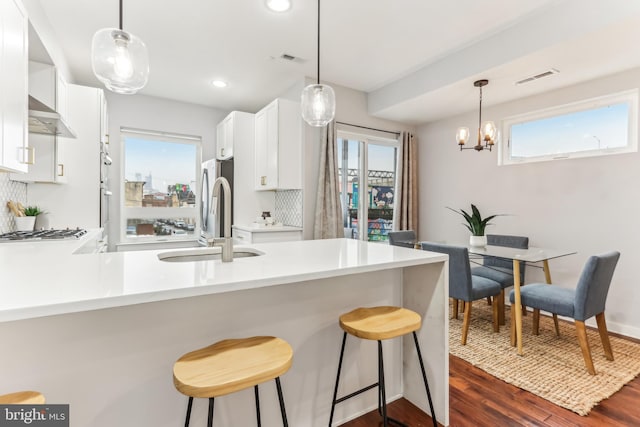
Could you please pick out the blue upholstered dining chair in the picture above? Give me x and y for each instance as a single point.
(501, 270)
(588, 299)
(406, 238)
(463, 286)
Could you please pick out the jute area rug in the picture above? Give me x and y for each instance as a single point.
(552, 367)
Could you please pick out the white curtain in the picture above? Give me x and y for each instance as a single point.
(328, 221)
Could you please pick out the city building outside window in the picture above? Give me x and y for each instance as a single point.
(159, 186)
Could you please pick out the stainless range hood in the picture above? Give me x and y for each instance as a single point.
(45, 121)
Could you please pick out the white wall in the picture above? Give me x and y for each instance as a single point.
(589, 205)
(351, 107)
(151, 113)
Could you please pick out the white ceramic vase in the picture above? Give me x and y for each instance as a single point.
(478, 241)
(25, 223)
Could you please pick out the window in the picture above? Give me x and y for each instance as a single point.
(595, 127)
(370, 163)
(159, 186)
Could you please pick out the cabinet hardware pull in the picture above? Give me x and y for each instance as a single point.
(263, 180)
(61, 166)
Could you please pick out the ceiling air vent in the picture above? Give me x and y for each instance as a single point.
(290, 58)
(547, 73)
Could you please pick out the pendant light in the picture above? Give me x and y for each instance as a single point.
(486, 131)
(119, 59)
(318, 100)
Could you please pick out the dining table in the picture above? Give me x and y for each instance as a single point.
(532, 255)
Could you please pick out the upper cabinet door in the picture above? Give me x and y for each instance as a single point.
(278, 149)
(224, 138)
(13, 84)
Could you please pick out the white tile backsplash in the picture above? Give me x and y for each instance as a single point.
(10, 190)
(288, 207)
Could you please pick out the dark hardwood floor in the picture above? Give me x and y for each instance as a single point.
(478, 399)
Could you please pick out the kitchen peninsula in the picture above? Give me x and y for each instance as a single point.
(102, 331)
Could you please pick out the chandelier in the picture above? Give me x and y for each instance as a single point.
(486, 131)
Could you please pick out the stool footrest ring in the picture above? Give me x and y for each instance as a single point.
(355, 393)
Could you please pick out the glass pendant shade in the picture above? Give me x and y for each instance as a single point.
(462, 135)
(120, 60)
(318, 104)
(489, 132)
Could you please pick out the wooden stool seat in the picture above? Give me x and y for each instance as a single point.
(231, 365)
(380, 323)
(22, 398)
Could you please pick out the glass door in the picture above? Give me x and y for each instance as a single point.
(368, 173)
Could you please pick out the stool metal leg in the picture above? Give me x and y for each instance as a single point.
(257, 405)
(281, 399)
(210, 419)
(335, 390)
(381, 388)
(189, 405)
(424, 377)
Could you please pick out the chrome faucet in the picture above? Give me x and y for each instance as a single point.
(226, 242)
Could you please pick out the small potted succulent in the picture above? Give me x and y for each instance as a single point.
(28, 221)
(475, 224)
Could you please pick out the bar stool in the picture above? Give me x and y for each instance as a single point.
(22, 398)
(380, 323)
(232, 365)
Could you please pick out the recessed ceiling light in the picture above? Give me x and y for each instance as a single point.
(219, 83)
(278, 5)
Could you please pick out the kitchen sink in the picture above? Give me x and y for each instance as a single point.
(205, 254)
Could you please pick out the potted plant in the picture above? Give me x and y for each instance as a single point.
(28, 221)
(475, 224)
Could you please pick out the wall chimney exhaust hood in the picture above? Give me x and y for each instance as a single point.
(43, 120)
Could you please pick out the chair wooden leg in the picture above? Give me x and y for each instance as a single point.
(524, 310)
(466, 321)
(555, 323)
(536, 321)
(488, 300)
(496, 315)
(581, 331)
(513, 326)
(604, 336)
(501, 313)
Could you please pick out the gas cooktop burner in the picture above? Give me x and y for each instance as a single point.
(43, 235)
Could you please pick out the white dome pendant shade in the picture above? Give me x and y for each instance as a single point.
(318, 100)
(318, 104)
(119, 59)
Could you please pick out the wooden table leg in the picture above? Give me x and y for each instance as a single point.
(547, 278)
(518, 304)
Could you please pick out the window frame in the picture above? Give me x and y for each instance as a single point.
(158, 212)
(364, 140)
(630, 97)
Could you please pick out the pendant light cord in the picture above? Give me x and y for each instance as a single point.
(480, 117)
(120, 15)
(318, 41)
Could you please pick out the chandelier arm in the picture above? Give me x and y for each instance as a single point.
(120, 15)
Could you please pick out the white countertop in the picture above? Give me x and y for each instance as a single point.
(46, 278)
(258, 228)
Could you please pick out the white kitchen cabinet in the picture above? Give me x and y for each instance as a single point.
(230, 131)
(14, 145)
(249, 235)
(48, 160)
(48, 151)
(278, 147)
(82, 166)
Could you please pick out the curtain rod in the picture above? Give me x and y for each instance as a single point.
(365, 127)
